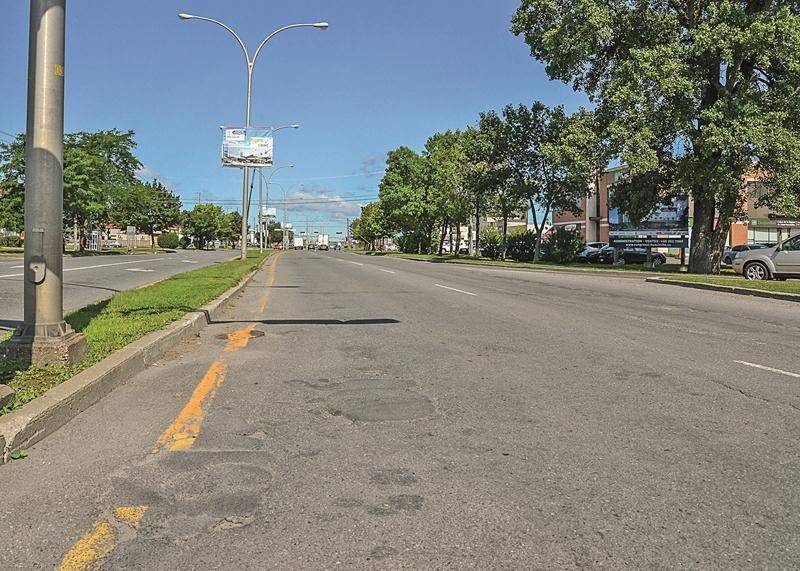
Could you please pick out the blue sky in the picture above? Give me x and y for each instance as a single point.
(385, 74)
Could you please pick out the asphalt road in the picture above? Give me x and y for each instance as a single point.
(94, 278)
(384, 413)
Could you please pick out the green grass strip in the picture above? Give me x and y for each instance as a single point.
(127, 316)
(788, 286)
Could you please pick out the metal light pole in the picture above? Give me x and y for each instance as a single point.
(44, 336)
(269, 180)
(251, 62)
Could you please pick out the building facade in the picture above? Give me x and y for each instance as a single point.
(760, 224)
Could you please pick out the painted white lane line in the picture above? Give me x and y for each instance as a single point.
(96, 266)
(356, 263)
(138, 270)
(16, 267)
(454, 289)
(387, 271)
(770, 369)
(189, 262)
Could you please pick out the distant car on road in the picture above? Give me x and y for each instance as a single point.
(780, 262)
(732, 251)
(114, 244)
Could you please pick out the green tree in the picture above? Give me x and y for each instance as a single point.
(148, 206)
(98, 167)
(447, 163)
(205, 223)
(407, 198)
(371, 226)
(231, 228)
(12, 184)
(693, 95)
(551, 157)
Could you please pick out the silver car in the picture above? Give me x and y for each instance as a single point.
(779, 262)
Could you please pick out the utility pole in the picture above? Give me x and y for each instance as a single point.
(348, 233)
(260, 211)
(44, 337)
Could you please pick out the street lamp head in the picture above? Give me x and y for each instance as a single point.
(321, 25)
(185, 16)
(295, 126)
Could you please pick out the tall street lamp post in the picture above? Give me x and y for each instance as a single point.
(269, 181)
(44, 337)
(251, 61)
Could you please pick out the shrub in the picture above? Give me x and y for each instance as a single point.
(521, 247)
(185, 242)
(491, 243)
(10, 242)
(562, 246)
(169, 240)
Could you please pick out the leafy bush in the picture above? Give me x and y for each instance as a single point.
(169, 240)
(491, 243)
(562, 246)
(185, 242)
(10, 242)
(520, 247)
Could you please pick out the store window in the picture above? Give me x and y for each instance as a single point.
(756, 234)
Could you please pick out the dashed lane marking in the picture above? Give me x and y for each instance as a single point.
(454, 289)
(770, 369)
(97, 266)
(387, 271)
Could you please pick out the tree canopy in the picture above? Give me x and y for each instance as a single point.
(692, 96)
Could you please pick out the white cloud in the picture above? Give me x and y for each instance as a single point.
(150, 173)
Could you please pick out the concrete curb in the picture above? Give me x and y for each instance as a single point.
(52, 410)
(728, 289)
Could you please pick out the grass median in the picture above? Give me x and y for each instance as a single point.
(127, 316)
(664, 269)
(789, 286)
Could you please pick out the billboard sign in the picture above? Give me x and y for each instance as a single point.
(667, 226)
(246, 147)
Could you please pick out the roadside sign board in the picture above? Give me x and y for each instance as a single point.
(246, 147)
(649, 240)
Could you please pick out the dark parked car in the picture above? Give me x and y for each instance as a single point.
(631, 256)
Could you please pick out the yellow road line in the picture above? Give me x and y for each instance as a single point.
(183, 431)
(270, 282)
(98, 543)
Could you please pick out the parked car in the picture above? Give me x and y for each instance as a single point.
(780, 262)
(732, 251)
(114, 244)
(631, 256)
(591, 252)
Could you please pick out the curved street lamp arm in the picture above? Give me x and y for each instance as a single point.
(230, 30)
(275, 33)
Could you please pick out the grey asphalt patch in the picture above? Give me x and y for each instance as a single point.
(376, 405)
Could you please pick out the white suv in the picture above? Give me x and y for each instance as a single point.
(779, 262)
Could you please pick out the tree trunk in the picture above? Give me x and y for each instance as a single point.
(441, 238)
(708, 240)
(505, 233)
(537, 250)
(477, 232)
(458, 238)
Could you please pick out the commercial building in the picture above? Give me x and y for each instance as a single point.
(760, 224)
